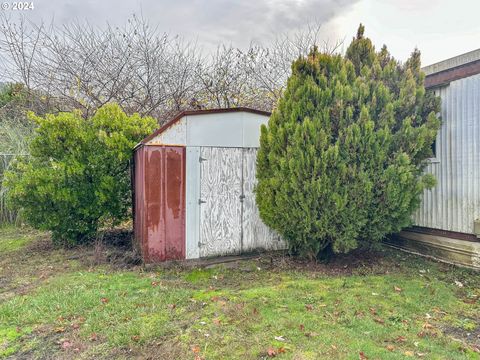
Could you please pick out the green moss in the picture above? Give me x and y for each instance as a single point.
(8, 337)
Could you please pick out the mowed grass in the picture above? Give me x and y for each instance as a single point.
(56, 303)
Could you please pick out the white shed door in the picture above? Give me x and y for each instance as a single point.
(220, 208)
(256, 235)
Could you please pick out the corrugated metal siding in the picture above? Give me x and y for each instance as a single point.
(235, 129)
(174, 135)
(139, 193)
(455, 202)
(160, 202)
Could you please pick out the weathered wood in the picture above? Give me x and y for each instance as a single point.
(256, 235)
(220, 210)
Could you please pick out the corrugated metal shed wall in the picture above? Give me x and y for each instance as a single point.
(235, 129)
(455, 202)
(160, 202)
(139, 202)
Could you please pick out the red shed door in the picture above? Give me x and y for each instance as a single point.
(220, 205)
(165, 204)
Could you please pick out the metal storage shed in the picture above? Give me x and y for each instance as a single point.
(193, 187)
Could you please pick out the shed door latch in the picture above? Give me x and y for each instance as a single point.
(200, 159)
(200, 201)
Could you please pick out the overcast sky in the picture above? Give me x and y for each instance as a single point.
(439, 28)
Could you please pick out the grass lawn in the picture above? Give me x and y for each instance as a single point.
(75, 303)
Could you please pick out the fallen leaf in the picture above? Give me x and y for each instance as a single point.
(373, 311)
(136, 337)
(397, 289)
(104, 300)
(458, 283)
(172, 306)
(363, 356)
(155, 283)
(408, 353)
(359, 314)
(379, 320)
(334, 347)
(390, 347)
(59, 329)
(281, 350)
(279, 338)
(427, 326)
(93, 337)
(66, 345)
(311, 334)
(301, 327)
(401, 339)
(196, 349)
(216, 321)
(271, 352)
(75, 326)
(309, 307)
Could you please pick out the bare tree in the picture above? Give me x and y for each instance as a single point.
(144, 70)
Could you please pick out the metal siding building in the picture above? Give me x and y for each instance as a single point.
(454, 204)
(194, 181)
(445, 222)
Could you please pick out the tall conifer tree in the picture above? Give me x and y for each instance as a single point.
(341, 161)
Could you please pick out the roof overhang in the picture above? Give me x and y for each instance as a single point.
(458, 67)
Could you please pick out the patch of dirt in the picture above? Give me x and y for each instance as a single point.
(469, 337)
(368, 262)
(160, 349)
(119, 238)
(41, 245)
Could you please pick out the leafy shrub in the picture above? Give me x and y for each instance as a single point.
(77, 177)
(341, 161)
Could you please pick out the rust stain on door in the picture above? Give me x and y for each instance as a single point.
(160, 202)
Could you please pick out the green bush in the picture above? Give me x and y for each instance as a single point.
(341, 162)
(77, 177)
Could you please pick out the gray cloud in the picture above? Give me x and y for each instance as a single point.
(211, 22)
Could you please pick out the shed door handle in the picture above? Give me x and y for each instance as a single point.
(200, 201)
